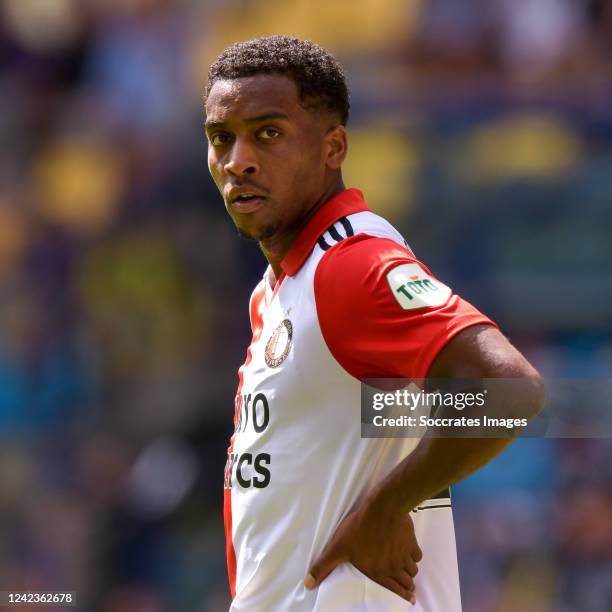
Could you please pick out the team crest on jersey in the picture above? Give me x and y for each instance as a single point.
(413, 288)
(279, 344)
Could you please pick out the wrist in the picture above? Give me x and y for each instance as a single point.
(406, 486)
(386, 503)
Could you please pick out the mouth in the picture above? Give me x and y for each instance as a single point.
(246, 202)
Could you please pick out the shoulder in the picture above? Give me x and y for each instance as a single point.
(382, 312)
(367, 263)
(365, 249)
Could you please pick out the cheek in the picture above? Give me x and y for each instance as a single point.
(310, 167)
(214, 167)
(314, 154)
(307, 163)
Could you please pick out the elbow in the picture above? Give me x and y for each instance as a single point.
(524, 387)
(536, 394)
(531, 390)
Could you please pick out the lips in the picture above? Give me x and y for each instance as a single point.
(247, 204)
(245, 200)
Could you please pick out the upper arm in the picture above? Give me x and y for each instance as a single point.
(481, 351)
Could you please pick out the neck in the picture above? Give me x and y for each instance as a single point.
(276, 248)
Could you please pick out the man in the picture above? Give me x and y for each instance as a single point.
(318, 518)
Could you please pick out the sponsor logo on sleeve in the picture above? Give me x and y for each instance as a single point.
(413, 288)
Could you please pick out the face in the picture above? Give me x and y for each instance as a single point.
(271, 158)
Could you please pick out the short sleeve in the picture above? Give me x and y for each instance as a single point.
(382, 313)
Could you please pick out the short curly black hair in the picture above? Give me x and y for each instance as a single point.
(318, 75)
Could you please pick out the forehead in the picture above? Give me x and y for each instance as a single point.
(253, 96)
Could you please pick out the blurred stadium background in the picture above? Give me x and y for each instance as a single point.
(482, 128)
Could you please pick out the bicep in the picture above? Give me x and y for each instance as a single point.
(480, 351)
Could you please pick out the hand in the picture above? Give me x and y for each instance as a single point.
(380, 544)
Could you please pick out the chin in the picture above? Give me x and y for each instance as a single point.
(258, 234)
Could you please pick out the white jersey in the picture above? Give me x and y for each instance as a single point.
(297, 463)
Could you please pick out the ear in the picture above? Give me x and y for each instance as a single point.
(336, 144)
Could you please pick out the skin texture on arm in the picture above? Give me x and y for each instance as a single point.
(477, 352)
(375, 537)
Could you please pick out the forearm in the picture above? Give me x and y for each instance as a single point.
(433, 466)
(438, 462)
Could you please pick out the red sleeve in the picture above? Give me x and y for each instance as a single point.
(382, 313)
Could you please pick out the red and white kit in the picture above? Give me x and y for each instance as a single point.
(352, 303)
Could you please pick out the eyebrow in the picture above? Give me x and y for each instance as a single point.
(258, 119)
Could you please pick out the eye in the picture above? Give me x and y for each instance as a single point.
(269, 133)
(218, 139)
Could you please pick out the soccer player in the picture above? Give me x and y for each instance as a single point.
(318, 518)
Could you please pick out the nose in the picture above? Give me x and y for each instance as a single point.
(242, 159)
